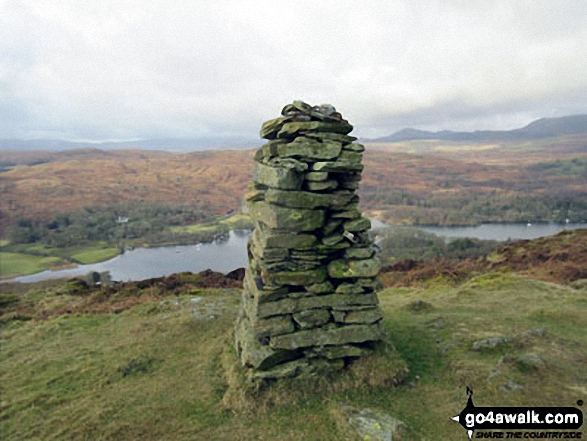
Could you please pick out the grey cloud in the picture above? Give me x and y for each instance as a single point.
(112, 69)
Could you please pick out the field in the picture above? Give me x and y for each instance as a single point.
(31, 258)
(21, 263)
(149, 360)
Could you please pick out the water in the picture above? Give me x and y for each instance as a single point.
(223, 255)
(503, 232)
(230, 253)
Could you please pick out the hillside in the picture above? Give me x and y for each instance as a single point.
(558, 259)
(153, 360)
(541, 128)
(422, 182)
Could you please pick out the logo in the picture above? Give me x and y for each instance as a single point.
(536, 419)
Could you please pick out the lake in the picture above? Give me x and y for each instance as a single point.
(230, 252)
(223, 255)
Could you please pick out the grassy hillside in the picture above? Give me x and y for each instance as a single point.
(147, 360)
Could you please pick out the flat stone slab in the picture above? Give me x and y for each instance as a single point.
(343, 269)
(365, 316)
(288, 241)
(316, 176)
(294, 219)
(309, 148)
(355, 147)
(291, 129)
(357, 225)
(273, 326)
(297, 278)
(337, 166)
(270, 128)
(322, 337)
(256, 355)
(345, 139)
(359, 253)
(330, 184)
(298, 199)
(278, 177)
(311, 318)
(291, 306)
(334, 352)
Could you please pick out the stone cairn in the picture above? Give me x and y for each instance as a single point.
(309, 303)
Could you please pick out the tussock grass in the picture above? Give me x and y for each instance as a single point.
(164, 369)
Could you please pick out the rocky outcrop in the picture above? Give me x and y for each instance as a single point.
(309, 303)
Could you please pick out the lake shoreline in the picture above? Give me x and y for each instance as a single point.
(173, 250)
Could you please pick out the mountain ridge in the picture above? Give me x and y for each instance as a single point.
(540, 128)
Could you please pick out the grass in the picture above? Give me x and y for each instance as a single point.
(22, 259)
(95, 255)
(236, 221)
(14, 264)
(155, 370)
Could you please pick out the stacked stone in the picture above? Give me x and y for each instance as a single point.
(309, 299)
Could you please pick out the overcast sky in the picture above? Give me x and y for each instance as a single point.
(128, 69)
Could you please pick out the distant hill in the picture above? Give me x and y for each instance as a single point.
(541, 128)
(169, 144)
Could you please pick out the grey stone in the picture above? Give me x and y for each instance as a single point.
(338, 316)
(367, 316)
(320, 288)
(349, 288)
(309, 148)
(336, 300)
(297, 278)
(341, 269)
(289, 241)
(285, 370)
(289, 305)
(262, 294)
(489, 343)
(355, 147)
(294, 219)
(334, 352)
(321, 186)
(511, 386)
(359, 253)
(291, 129)
(297, 199)
(350, 157)
(270, 128)
(530, 362)
(316, 176)
(331, 226)
(356, 225)
(278, 177)
(373, 425)
(273, 326)
(256, 355)
(295, 107)
(334, 336)
(288, 163)
(332, 239)
(337, 166)
(344, 139)
(345, 214)
(311, 318)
